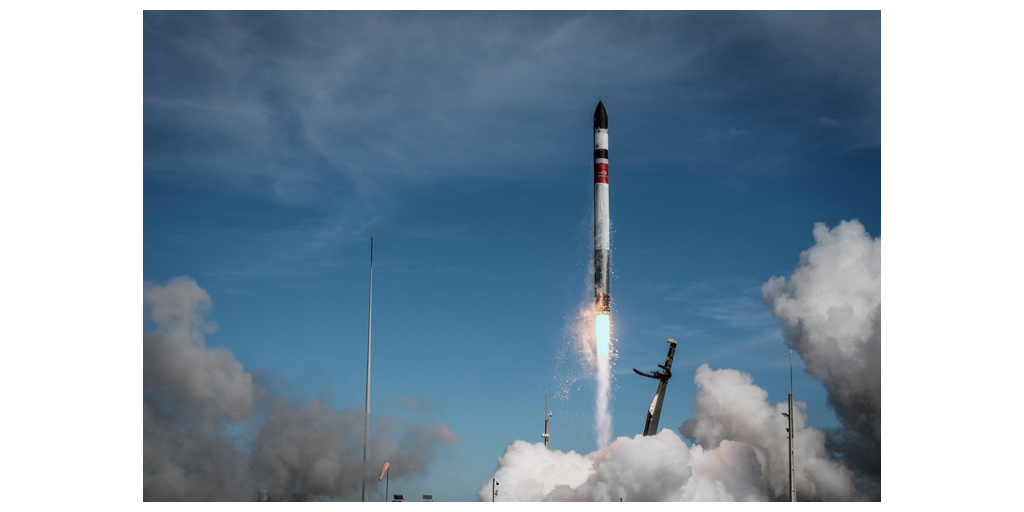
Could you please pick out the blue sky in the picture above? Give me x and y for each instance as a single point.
(276, 144)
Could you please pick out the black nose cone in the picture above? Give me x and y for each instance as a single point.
(600, 117)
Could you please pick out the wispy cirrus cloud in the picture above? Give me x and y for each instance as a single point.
(302, 100)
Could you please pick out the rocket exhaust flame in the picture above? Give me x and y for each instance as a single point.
(602, 334)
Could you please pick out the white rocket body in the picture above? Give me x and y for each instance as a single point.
(602, 228)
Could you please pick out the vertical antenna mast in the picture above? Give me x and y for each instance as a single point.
(366, 424)
(547, 419)
(792, 472)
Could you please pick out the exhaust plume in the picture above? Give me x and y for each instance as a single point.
(739, 453)
(832, 309)
(602, 414)
(212, 433)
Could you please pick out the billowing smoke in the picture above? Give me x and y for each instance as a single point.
(739, 453)
(832, 308)
(730, 408)
(212, 433)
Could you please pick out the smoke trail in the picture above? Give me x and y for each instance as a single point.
(832, 308)
(212, 433)
(602, 416)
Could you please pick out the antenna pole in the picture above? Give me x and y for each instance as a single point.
(792, 472)
(547, 420)
(366, 423)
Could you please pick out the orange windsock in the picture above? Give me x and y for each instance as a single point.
(383, 470)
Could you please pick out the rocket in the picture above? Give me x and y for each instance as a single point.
(602, 245)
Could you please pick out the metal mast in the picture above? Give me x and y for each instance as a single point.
(366, 424)
(792, 473)
(547, 421)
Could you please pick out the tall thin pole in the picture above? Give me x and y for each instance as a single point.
(547, 421)
(366, 424)
(792, 471)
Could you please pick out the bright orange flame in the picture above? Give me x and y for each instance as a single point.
(602, 333)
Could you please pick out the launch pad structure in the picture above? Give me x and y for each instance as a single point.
(654, 411)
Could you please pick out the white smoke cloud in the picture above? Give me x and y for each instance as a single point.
(639, 469)
(198, 404)
(832, 308)
(530, 472)
(740, 453)
(731, 408)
